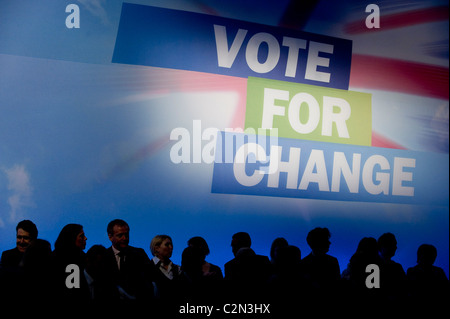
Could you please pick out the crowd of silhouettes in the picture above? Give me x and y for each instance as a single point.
(125, 277)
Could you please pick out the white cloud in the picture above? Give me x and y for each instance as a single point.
(95, 7)
(20, 191)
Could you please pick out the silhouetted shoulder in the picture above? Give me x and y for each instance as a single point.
(11, 258)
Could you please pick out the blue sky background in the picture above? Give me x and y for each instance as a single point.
(84, 140)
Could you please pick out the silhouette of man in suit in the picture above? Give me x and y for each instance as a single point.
(248, 273)
(26, 233)
(127, 267)
(321, 271)
(392, 274)
(428, 284)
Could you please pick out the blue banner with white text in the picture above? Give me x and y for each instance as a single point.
(285, 167)
(183, 40)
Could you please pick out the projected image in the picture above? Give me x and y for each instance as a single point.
(218, 118)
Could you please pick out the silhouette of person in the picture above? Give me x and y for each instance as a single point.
(392, 275)
(37, 267)
(68, 250)
(321, 271)
(366, 253)
(355, 274)
(204, 279)
(289, 259)
(428, 284)
(248, 273)
(101, 290)
(126, 268)
(11, 262)
(277, 244)
(26, 233)
(287, 285)
(168, 278)
(161, 247)
(209, 271)
(30, 281)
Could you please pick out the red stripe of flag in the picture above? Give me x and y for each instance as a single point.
(399, 76)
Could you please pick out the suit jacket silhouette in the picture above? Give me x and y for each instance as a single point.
(168, 288)
(11, 258)
(60, 259)
(322, 270)
(134, 277)
(248, 274)
(11, 277)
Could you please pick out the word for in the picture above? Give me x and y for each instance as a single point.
(73, 19)
(181, 152)
(329, 116)
(316, 171)
(303, 111)
(227, 54)
(373, 19)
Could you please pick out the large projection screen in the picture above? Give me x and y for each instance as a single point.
(104, 115)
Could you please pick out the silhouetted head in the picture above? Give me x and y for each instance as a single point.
(290, 255)
(95, 260)
(368, 246)
(161, 246)
(191, 262)
(319, 240)
(71, 237)
(118, 233)
(240, 240)
(426, 255)
(26, 233)
(200, 244)
(387, 245)
(276, 245)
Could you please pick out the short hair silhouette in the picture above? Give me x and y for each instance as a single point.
(318, 239)
(240, 240)
(426, 254)
(278, 243)
(243, 239)
(116, 222)
(387, 245)
(157, 241)
(94, 251)
(28, 226)
(290, 255)
(199, 243)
